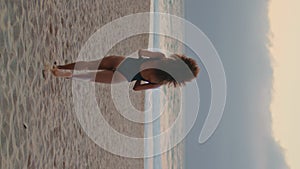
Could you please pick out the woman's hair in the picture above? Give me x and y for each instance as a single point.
(176, 70)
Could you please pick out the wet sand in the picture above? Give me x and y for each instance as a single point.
(38, 125)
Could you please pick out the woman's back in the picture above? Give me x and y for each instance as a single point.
(135, 67)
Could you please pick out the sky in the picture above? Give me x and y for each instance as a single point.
(284, 48)
(257, 43)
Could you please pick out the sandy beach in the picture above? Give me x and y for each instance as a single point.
(38, 125)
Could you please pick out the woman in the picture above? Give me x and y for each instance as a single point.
(152, 67)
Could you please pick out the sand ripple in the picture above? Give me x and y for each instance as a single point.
(38, 126)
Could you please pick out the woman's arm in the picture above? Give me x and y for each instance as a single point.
(138, 86)
(143, 52)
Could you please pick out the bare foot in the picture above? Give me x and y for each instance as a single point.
(58, 73)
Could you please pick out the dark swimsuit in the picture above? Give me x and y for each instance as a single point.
(130, 68)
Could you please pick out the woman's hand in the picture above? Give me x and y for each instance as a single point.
(139, 53)
(150, 54)
(138, 86)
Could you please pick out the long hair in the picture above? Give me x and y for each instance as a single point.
(176, 70)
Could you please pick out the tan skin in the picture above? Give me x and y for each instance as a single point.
(108, 66)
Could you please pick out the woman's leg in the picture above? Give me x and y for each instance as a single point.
(106, 63)
(104, 76)
(59, 73)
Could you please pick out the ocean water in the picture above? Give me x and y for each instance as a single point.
(166, 102)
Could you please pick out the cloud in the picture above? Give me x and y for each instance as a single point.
(244, 138)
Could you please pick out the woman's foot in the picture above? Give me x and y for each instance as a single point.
(58, 73)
